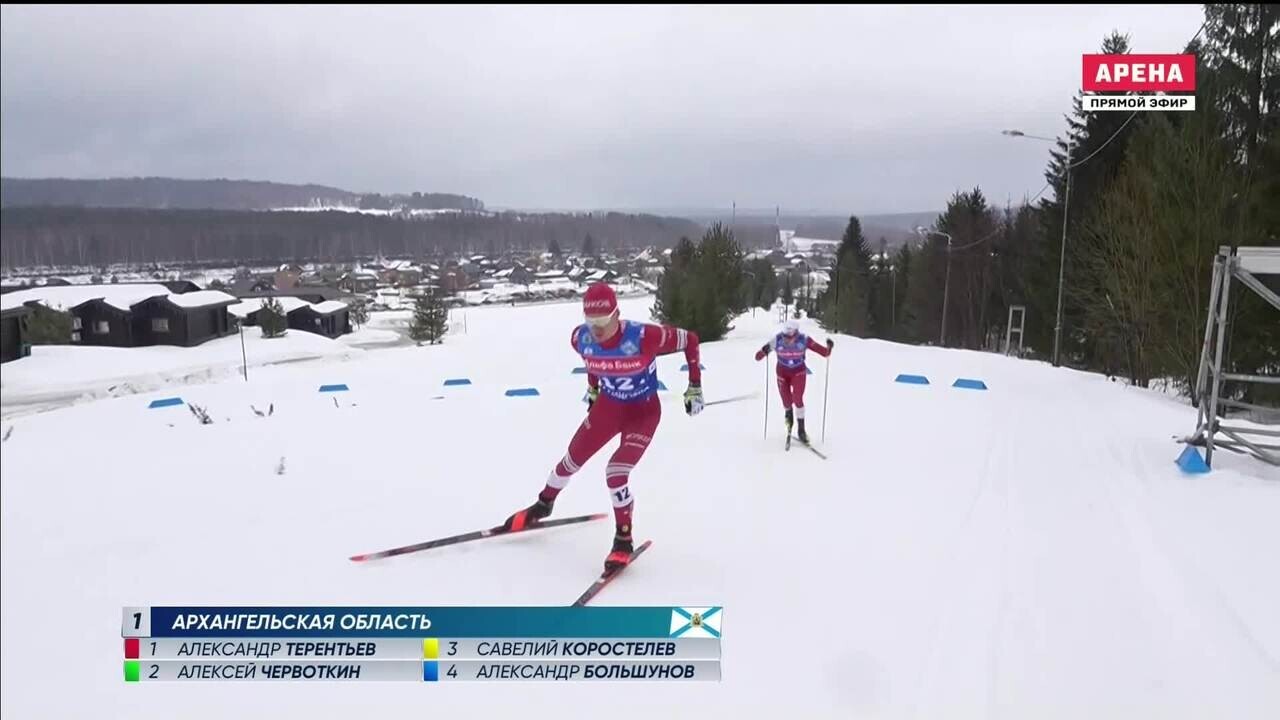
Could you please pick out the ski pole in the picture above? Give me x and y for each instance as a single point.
(736, 398)
(766, 399)
(825, 385)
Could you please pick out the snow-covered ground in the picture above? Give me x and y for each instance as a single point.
(1030, 551)
(57, 375)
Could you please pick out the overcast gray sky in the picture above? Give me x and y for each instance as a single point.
(846, 109)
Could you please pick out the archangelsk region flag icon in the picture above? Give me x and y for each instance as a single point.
(696, 622)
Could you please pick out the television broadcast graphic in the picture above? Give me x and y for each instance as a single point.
(640, 362)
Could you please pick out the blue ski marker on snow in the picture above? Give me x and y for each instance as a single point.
(165, 402)
(1191, 462)
(523, 392)
(457, 381)
(579, 371)
(969, 384)
(333, 388)
(685, 367)
(912, 379)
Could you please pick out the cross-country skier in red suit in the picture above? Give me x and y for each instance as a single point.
(622, 376)
(791, 345)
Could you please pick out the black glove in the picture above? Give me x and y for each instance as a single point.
(830, 343)
(765, 349)
(593, 394)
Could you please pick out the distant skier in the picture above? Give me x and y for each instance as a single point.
(791, 345)
(622, 377)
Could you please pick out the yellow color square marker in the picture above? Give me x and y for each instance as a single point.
(430, 648)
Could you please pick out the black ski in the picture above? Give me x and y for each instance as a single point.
(607, 577)
(476, 535)
(814, 450)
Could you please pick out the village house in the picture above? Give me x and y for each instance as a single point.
(330, 319)
(13, 333)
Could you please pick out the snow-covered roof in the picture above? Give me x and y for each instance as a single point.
(248, 306)
(598, 275)
(364, 274)
(550, 274)
(202, 298)
(576, 272)
(65, 297)
(503, 273)
(804, 245)
(329, 306)
(562, 283)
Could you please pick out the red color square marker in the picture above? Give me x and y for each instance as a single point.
(132, 648)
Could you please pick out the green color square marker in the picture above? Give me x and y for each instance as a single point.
(131, 671)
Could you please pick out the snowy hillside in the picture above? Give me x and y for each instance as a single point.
(1028, 551)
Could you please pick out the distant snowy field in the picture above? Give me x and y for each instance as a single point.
(1030, 551)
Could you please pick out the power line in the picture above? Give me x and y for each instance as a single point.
(1077, 163)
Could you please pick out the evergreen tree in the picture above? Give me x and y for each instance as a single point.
(589, 246)
(272, 318)
(49, 327)
(359, 309)
(430, 318)
(1243, 50)
(700, 289)
(1092, 168)
(846, 303)
(903, 268)
(721, 267)
(553, 247)
(762, 283)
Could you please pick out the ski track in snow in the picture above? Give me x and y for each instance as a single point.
(1027, 551)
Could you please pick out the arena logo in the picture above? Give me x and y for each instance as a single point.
(1144, 80)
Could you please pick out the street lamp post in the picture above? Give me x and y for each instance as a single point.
(1062, 257)
(893, 300)
(946, 287)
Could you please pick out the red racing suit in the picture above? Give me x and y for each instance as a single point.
(792, 371)
(624, 370)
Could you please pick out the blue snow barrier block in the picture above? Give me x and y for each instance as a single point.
(662, 386)
(685, 367)
(969, 384)
(1191, 462)
(912, 379)
(523, 392)
(457, 381)
(579, 371)
(333, 388)
(164, 402)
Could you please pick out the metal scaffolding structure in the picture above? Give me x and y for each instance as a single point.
(1242, 266)
(1019, 326)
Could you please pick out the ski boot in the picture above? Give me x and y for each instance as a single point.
(790, 421)
(802, 436)
(529, 516)
(620, 556)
